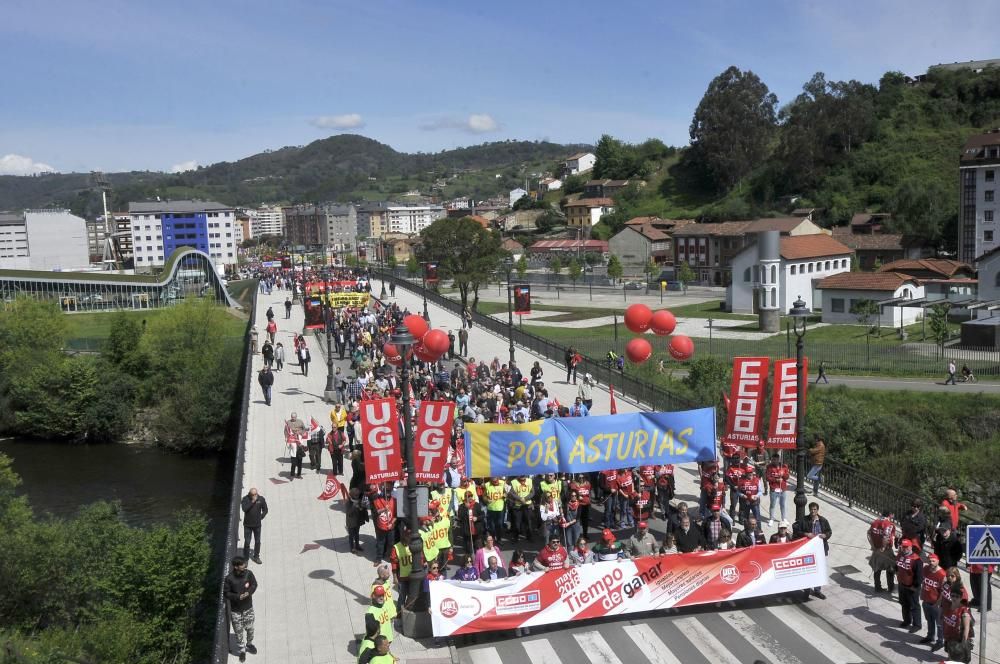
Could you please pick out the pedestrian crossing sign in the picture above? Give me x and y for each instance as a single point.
(982, 545)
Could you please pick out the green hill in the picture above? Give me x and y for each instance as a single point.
(343, 167)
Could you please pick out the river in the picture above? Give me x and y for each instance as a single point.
(151, 484)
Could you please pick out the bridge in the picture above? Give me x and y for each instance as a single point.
(313, 592)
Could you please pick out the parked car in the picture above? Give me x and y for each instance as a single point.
(634, 285)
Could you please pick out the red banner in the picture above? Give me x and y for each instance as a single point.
(522, 299)
(430, 272)
(380, 441)
(745, 409)
(431, 442)
(784, 405)
(620, 587)
(331, 488)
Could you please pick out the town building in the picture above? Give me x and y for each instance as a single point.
(547, 248)
(409, 219)
(515, 248)
(242, 227)
(644, 239)
(581, 162)
(546, 185)
(519, 220)
(891, 291)
(371, 219)
(161, 227)
(516, 195)
(606, 188)
(802, 262)
(48, 239)
(586, 212)
(332, 227)
(400, 246)
(978, 202)
(267, 220)
(95, 239)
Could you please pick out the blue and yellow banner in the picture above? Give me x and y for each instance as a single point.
(587, 444)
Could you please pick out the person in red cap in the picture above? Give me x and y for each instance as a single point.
(642, 543)
(930, 594)
(882, 539)
(909, 572)
(608, 548)
(382, 612)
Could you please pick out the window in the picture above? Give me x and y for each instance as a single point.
(837, 305)
(996, 281)
(810, 268)
(987, 215)
(793, 269)
(827, 266)
(774, 297)
(746, 275)
(774, 274)
(990, 175)
(987, 236)
(989, 195)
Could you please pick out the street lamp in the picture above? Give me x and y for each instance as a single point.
(509, 264)
(329, 394)
(403, 341)
(799, 313)
(381, 264)
(423, 278)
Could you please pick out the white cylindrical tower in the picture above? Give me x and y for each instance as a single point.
(768, 295)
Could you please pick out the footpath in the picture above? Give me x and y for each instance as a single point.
(313, 592)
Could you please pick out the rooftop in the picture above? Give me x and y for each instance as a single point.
(591, 202)
(782, 224)
(941, 266)
(975, 146)
(543, 245)
(811, 246)
(725, 228)
(578, 155)
(874, 281)
(866, 241)
(174, 207)
(866, 218)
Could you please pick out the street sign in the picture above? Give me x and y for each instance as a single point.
(982, 545)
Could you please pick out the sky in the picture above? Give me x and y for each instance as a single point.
(166, 86)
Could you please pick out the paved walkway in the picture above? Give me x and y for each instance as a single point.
(313, 592)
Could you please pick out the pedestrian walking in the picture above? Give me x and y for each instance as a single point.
(951, 373)
(266, 380)
(392, 289)
(272, 329)
(463, 342)
(822, 372)
(817, 456)
(240, 586)
(253, 339)
(279, 356)
(810, 526)
(467, 318)
(297, 457)
(267, 352)
(288, 308)
(254, 510)
(304, 359)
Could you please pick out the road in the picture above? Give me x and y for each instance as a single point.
(774, 631)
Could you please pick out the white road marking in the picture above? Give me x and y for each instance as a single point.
(596, 648)
(709, 646)
(815, 635)
(650, 644)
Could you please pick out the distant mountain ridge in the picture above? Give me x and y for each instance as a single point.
(332, 168)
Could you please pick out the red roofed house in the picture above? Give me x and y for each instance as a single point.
(547, 248)
(841, 292)
(803, 261)
(586, 212)
(645, 238)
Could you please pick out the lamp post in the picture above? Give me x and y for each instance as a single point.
(329, 394)
(403, 341)
(509, 264)
(799, 313)
(381, 264)
(423, 279)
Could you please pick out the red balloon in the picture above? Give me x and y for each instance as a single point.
(436, 341)
(663, 322)
(424, 353)
(416, 325)
(637, 318)
(681, 347)
(638, 350)
(392, 355)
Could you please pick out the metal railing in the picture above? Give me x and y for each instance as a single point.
(220, 651)
(866, 491)
(644, 393)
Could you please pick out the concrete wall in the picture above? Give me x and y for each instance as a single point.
(57, 240)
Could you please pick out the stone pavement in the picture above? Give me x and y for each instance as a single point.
(313, 592)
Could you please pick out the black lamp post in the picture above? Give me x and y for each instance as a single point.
(381, 263)
(403, 341)
(799, 313)
(509, 264)
(330, 394)
(423, 279)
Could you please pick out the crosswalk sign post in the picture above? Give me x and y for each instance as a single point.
(982, 547)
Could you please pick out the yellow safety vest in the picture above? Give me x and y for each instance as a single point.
(551, 488)
(365, 645)
(443, 496)
(405, 558)
(495, 496)
(387, 585)
(430, 544)
(442, 532)
(382, 659)
(524, 490)
(384, 615)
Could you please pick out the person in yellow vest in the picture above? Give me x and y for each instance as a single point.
(442, 535)
(428, 538)
(520, 502)
(381, 612)
(378, 653)
(402, 564)
(551, 486)
(383, 579)
(442, 495)
(371, 633)
(495, 491)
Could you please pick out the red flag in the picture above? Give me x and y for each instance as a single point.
(430, 445)
(784, 405)
(744, 417)
(313, 424)
(291, 438)
(331, 487)
(614, 405)
(380, 440)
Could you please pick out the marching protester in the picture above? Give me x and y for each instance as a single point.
(814, 525)
(240, 586)
(254, 510)
(882, 539)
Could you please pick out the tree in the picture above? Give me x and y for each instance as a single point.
(865, 310)
(465, 252)
(574, 270)
(548, 220)
(651, 269)
(937, 320)
(412, 266)
(521, 266)
(574, 184)
(685, 275)
(733, 125)
(921, 208)
(391, 262)
(615, 270)
(555, 267)
(708, 377)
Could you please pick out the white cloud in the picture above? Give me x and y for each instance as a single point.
(184, 166)
(344, 121)
(15, 164)
(477, 123)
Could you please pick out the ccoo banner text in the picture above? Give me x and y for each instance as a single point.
(614, 588)
(588, 444)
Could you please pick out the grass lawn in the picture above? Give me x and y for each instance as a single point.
(709, 309)
(98, 325)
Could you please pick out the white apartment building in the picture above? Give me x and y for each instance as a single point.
(979, 205)
(412, 218)
(161, 227)
(43, 240)
(267, 220)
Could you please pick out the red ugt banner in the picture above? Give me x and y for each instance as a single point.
(746, 401)
(431, 443)
(784, 414)
(380, 441)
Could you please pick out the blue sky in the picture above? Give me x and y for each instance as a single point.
(137, 84)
